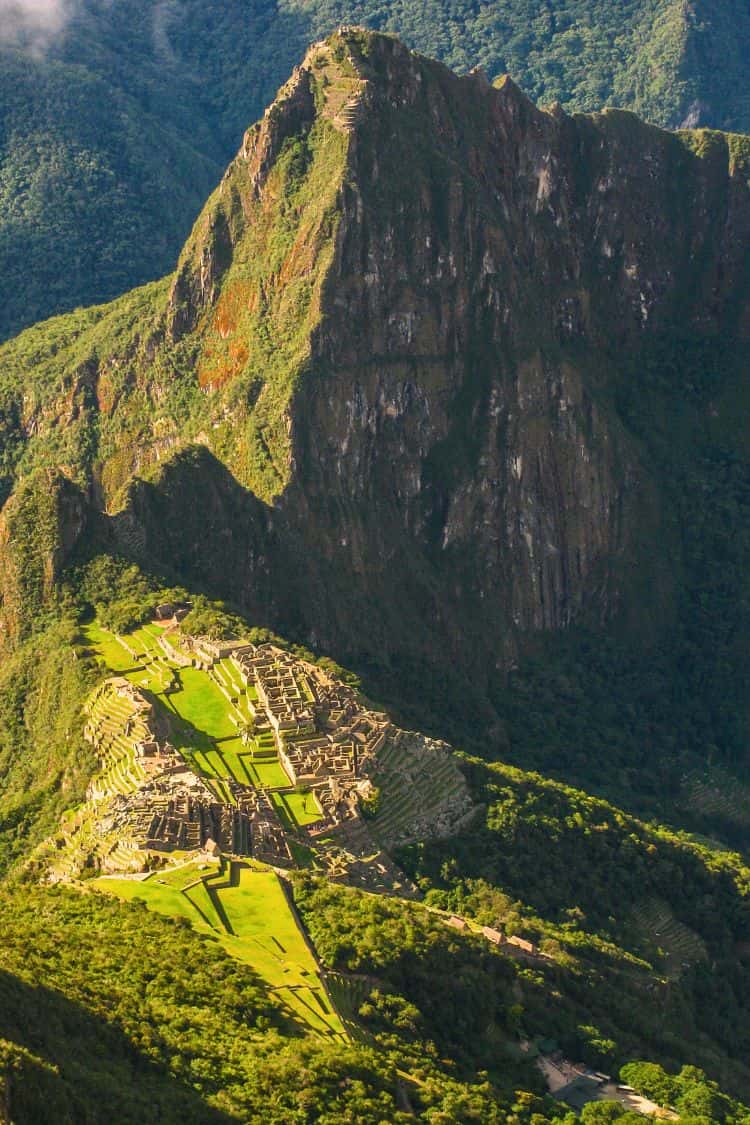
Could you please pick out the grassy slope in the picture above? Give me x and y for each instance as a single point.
(232, 372)
(246, 910)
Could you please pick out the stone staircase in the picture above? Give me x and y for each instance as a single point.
(349, 114)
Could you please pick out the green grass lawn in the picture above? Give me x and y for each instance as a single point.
(270, 773)
(240, 905)
(296, 809)
(246, 910)
(236, 758)
(242, 707)
(199, 898)
(231, 674)
(154, 629)
(146, 638)
(114, 655)
(199, 701)
(155, 892)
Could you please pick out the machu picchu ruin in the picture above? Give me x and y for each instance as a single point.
(246, 750)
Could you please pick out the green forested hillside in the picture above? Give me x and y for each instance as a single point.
(623, 898)
(107, 1008)
(111, 139)
(103, 164)
(98, 1024)
(401, 950)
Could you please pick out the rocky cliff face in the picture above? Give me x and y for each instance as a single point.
(399, 330)
(455, 444)
(445, 433)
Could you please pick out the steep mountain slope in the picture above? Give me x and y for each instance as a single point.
(111, 136)
(103, 165)
(428, 423)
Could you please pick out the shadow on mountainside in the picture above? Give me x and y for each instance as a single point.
(61, 1065)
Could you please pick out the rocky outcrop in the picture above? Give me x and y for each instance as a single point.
(40, 527)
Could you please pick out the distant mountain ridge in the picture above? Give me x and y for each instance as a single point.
(111, 139)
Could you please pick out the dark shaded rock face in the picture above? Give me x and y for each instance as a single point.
(422, 374)
(196, 522)
(458, 464)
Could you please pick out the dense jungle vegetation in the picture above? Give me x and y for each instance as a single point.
(95, 1022)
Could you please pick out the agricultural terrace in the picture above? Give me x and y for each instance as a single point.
(676, 947)
(718, 798)
(245, 909)
(209, 715)
(115, 724)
